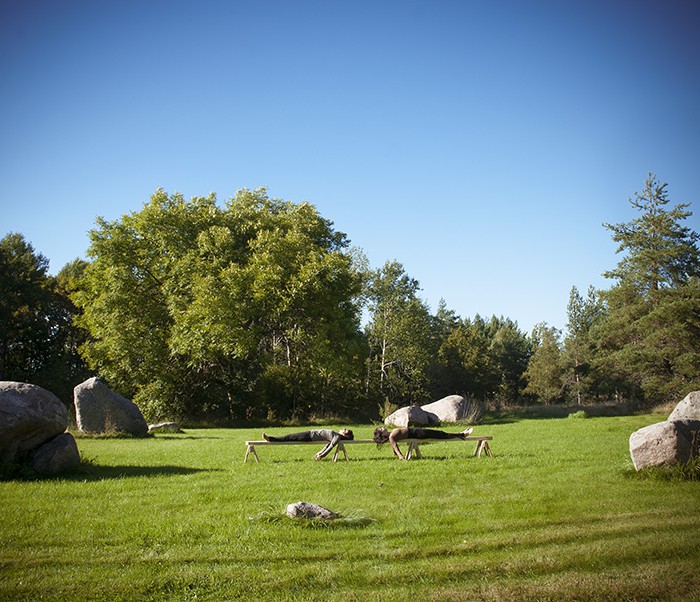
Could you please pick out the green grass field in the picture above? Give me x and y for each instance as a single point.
(557, 514)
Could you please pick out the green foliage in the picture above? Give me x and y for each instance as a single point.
(557, 514)
(647, 343)
(483, 360)
(659, 251)
(579, 345)
(197, 311)
(251, 311)
(38, 342)
(544, 372)
(400, 338)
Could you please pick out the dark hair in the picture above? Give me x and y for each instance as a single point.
(381, 435)
(349, 434)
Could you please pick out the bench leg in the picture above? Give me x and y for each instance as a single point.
(413, 448)
(483, 446)
(340, 447)
(251, 448)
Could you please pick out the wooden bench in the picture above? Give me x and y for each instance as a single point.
(413, 446)
(482, 445)
(340, 447)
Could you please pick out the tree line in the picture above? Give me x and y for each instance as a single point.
(260, 309)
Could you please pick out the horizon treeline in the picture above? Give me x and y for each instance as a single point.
(252, 311)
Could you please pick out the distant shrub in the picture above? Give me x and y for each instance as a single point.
(579, 414)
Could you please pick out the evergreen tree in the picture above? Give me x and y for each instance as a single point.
(544, 374)
(647, 345)
(510, 351)
(579, 347)
(37, 337)
(660, 252)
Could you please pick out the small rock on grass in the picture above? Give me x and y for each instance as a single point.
(309, 510)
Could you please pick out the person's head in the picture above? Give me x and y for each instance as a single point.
(381, 435)
(346, 434)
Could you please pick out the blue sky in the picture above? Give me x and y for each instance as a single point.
(480, 144)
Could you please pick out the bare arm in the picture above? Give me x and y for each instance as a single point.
(329, 446)
(398, 435)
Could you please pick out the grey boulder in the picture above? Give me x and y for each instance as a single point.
(664, 443)
(58, 455)
(98, 409)
(29, 417)
(688, 409)
(452, 408)
(411, 416)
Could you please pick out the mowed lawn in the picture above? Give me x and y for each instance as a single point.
(557, 514)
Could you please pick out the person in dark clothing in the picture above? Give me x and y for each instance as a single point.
(328, 435)
(382, 435)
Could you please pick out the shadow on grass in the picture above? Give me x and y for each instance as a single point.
(355, 460)
(94, 472)
(176, 437)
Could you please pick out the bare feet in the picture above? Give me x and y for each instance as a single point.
(467, 432)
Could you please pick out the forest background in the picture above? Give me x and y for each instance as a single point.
(258, 309)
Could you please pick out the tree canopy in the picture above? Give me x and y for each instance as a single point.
(257, 308)
(238, 311)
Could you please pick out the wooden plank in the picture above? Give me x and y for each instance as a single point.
(413, 446)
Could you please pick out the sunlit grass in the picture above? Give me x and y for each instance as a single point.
(557, 514)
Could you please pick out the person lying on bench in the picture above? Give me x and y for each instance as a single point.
(382, 435)
(315, 435)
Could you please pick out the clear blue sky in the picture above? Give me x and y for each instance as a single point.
(481, 144)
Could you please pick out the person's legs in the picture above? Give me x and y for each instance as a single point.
(430, 434)
(435, 434)
(303, 436)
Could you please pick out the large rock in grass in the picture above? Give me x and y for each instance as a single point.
(98, 409)
(29, 417)
(452, 408)
(665, 443)
(688, 409)
(58, 455)
(411, 416)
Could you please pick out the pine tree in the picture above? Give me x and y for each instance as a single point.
(660, 252)
(647, 345)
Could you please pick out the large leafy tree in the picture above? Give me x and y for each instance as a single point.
(400, 335)
(240, 311)
(647, 345)
(37, 338)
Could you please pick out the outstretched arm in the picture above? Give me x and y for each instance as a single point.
(329, 446)
(395, 436)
